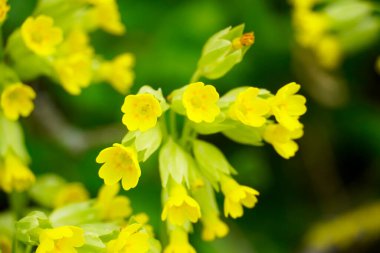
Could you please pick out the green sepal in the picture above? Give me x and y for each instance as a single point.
(245, 135)
(75, 214)
(105, 231)
(28, 228)
(218, 125)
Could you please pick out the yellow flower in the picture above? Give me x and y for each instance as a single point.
(120, 163)
(131, 239)
(213, 227)
(119, 73)
(70, 193)
(180, 207)
(236, 196)
(14, 175)
(200, 102)
(105, 14)
(4, 8)
(143, 219)
(112, 207)
(5, 244)
(310, 27)
(287, 107)
(141, 112)
(328, 52)
(249, 108)
(282, 139)
(40, 35)
(60, 239)
(179, 242)
(16, 100)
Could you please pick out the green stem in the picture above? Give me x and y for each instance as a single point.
(195, 77)
(173, 124)
(29, 249)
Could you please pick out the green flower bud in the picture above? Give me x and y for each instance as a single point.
(28, 228)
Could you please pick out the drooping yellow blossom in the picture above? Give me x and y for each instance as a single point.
(287, 106)
(16, 100)
(120, 163)
(4, 8)
(200, 102)
(180, 207)
(236, 196)
(40, 35)
(213, 227)
(246, 40)
(14, 175)
(282, 139)
(118, 72)
(141, 112)
(132, 239)
(5, 244)
(105, 14)
(249, 108)
(112, 207)
(328, 52)
(179, 242)
(61, 239)
(70, 193)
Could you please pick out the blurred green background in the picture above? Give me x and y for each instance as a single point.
(336, 170)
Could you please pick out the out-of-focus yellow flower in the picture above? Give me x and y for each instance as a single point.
(120, 163)
(303, 4)
(112, 207)
(287, 107)
(282, 139)
(179, 242)
(105, 14)
(141, 112)
(14, 175)
(200, 102)
(213, 227)
(180, 207)
(328, 52)
(236, 196)
(40, 35)
(132, 239)
(16, 100)
(4, 8)
(70, 193)
(60, 239)
(5, 244)
(249, 108)
(118, 72)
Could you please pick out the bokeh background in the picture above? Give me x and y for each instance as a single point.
(336, 171)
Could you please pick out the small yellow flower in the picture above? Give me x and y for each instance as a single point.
(236, 196)
(213, 227)
(287, 106)
(200, 102)
(119, 72)
(141, 112)
(180, 207)
(179, 242)
(105, 14)
(112, 207)
(310, 26)
(14, 175)
(328, 52)
(40, 35)
(4, 8)
(249, 108)
(16, 100)
(120, 163)
(71, 193)
(282, 139)
(5, 244)
(60, 239)
(132, 239)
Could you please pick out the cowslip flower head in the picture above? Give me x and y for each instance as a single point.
(179, 242)
(16, 101)
(282, 139)
(112, 207)
(236, 196)
(60, 239)
(70, 193)
(40, 35)
(180, 207)
(200, 102)
(141, 111)
(213, 228)
(287, 106)
(4, 8)
(249, 108)
(14, 175)
(119, 163)
(132, 239)
(118, 72)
